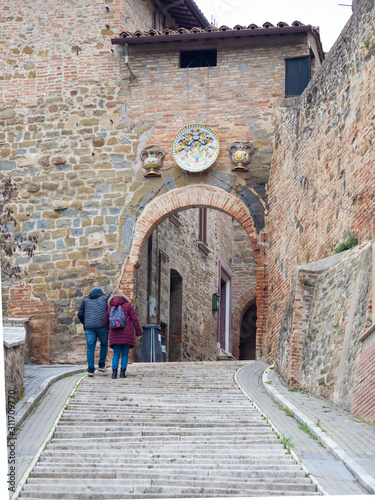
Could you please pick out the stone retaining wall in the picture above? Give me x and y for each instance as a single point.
(330, 310)
(14, 336)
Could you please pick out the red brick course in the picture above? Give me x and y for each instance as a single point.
(363, 402)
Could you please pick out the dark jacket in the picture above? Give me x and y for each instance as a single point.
(123, 335)
(93, 308)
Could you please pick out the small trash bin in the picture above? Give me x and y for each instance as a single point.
(151, 344)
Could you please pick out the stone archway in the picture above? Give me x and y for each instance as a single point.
(243, 303)
(195, 196)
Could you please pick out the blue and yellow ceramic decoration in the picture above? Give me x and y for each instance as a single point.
(195, 148)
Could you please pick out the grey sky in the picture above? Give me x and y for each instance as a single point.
(327, 14)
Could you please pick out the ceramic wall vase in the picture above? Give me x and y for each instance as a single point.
(241, 152)
(152, 158)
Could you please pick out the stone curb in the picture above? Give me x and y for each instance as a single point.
(364, 479)
(26, 474)
(320, 488)
(29, 405)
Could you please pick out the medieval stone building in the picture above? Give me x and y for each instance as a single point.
(87, 88)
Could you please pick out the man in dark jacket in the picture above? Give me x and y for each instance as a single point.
(92, 315)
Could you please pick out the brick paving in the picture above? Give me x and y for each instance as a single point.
(34, 430)
(37, 379)
(354, 437)
(331, 473)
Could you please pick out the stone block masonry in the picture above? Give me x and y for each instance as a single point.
(48, 47)
(14, 361)
(321, 349)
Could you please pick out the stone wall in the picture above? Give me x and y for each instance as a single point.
(14, 359)
(321, 348)
(50, 47)
(59, 87)
(322, 180)
(14, 336)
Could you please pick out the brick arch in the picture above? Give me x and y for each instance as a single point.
(194, 196)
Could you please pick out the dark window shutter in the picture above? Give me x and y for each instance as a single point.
(203, 225)
(198, 58)
(297, 75)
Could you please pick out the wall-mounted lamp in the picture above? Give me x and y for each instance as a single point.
(215, 301)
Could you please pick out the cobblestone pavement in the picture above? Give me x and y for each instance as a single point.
(331, 473)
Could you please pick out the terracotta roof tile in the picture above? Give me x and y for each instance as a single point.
(209, 29)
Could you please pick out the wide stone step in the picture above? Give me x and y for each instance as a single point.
(152, 419)
(155, 492)
(166, 475)
(126, 482)
(163, 436)
(241, 468)
(178, 456)
(209, 419)
(162, 409)
(165, 430)
(168, 447)
(133, 439)
(119, 489)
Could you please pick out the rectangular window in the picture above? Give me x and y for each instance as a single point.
(203, 225)
(297, 75)
(198, 58)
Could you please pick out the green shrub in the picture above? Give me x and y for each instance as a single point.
(351, 242)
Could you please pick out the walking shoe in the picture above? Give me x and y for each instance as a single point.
(114, 373)
(102, 369)
(122, 373)
(91, 374)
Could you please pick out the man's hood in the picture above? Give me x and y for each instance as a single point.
(95, 293)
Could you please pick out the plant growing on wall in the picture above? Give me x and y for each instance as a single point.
(305, 282)
(350, 242)
(11, 241)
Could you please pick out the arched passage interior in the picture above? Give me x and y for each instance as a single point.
(174, 338)
(169, 204)
(248, 327)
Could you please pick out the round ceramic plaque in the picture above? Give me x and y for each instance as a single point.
(195, 148)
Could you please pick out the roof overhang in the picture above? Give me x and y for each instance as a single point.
(249, 33)
(185, 13)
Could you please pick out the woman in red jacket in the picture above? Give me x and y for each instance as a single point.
(122, 339)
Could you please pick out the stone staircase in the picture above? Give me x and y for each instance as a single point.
(167, 430)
